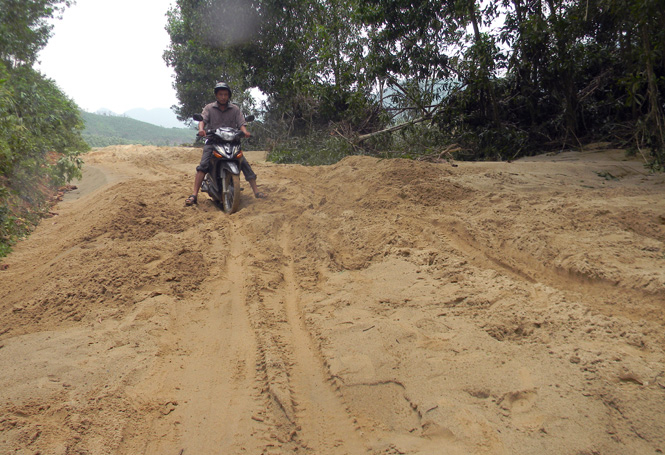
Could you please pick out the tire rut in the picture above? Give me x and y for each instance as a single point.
(308, 413)
(326, 425)
(603, 296)
(207, 372)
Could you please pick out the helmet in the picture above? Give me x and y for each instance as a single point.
(223, 86)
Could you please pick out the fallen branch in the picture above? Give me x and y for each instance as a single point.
(437, 156)
(364, 137)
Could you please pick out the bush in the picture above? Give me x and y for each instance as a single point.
(40, 141)
(315, 149)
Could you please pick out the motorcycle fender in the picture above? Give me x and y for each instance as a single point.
(231, 167)
(213, 186)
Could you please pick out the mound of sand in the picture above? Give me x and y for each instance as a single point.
(372, 306)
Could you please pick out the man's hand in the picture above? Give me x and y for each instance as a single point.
(201, 133)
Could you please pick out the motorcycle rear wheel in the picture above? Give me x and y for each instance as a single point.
(231, 198)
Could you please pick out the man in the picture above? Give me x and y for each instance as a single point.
(216, 115)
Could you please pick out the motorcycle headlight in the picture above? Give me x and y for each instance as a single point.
(222, 151)
(226, 134)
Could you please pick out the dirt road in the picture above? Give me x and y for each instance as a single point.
(370, 307)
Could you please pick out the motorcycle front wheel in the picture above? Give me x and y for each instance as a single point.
(231, 197)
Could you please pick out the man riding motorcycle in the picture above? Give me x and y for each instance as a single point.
(221, 113)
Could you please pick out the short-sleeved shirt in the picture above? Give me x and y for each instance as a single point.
(214, 117)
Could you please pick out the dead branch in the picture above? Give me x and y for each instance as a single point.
(438, 155)
(364, 137)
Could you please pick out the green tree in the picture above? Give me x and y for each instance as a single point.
(430, 55)
(40, 127)
(302, 54)
(24, 28)
(196, 56)
(500, 79)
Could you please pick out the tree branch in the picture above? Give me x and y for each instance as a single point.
(364, 137)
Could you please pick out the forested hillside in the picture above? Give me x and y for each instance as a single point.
(104, 130)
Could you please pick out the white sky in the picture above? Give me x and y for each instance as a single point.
(108, 54)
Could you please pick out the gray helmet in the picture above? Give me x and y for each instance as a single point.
(223, 86)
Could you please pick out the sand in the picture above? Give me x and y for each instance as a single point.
(369, 307)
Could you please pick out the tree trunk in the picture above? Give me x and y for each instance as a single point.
(364, 137)
(487, 63)
(654, 118)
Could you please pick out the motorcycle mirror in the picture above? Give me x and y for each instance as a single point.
(197, 117)
(249, 118)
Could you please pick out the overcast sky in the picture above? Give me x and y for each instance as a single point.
(108, 54)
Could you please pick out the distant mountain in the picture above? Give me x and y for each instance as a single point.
(159, 116)
(105, 111)
(106, 129)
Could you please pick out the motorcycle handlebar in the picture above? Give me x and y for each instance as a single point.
(211, 134)
(199, 118)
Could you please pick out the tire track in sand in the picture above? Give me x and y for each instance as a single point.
(596, 292)
(325, 422)
(208, 370)
(308, 413)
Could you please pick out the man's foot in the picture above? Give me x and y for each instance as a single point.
(191, 200)
(260, 195)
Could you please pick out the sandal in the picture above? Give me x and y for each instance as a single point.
(260, 195)
(191, 200)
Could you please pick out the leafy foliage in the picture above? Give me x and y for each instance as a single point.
(499, 79)
(197, 61)
(24, 29)
(313, 150)
(302, 54)
(40, 126)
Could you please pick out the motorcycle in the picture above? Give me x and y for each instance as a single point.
(222, 182)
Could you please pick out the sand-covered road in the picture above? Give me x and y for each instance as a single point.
(369, 307)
